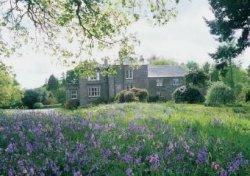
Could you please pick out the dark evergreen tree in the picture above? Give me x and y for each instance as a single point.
(232, 17)
(53, 83)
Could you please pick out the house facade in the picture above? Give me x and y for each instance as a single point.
(160, 81)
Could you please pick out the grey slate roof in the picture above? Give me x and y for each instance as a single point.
(166, 71)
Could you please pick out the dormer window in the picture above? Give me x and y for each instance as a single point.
(129, 73)
(159, 82)
(95, 77)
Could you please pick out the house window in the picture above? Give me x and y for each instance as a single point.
(95, 77)
(159, 82)
(129, 86)
(176, 82)
(73, 94)
(129, 73)
(94, 91)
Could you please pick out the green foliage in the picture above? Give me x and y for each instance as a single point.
(248, 95)
(10, 92)
(129, 96)
(196, 78)
(38, 105)
(72, 104)
(153, 98)
(230, 16)
(188, 94)
(53, 83)
(135, 94)
(86, 24)
(30, 98)
(141, 94)
(154, 60)
(220, 94)
(192, 66)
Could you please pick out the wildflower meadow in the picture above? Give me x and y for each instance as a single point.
(126, 139)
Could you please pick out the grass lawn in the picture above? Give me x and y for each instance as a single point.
(128, 139)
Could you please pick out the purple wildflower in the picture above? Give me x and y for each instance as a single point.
(202, 156)
(129, 172)
(238, 161)
(10, 148)
(106, 153)
(223, 173)
(77, 173)
(11, 172)
(154, 160)
(127, 158)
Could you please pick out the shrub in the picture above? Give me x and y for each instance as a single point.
(153, 98)
(188, 94)
(30, 98)
(220, 94)
(129, 96)
(72, 104)
(248, 95)
(179, 94)
(141, 94)
(38, 105)
(120, 97)
(134, 94)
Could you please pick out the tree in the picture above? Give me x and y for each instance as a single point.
(248, 71)
(206, 68)
(231, 17)
(30, 98)
(10, 92)
(154, 60)
(197, 78)
(85, 23)
(192, 66)
(53, 83)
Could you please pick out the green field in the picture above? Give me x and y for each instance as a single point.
(128, 139)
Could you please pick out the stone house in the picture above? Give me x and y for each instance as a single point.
(160, 81)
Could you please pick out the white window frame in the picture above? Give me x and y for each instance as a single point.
(73, 94)
(159, 82)
(95, 77)
(129, 73)
(94, 91)
(176, 81)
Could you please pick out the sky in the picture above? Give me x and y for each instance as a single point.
(184, 38)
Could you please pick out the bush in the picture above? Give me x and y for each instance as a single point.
(72, 104)
(248, 95)
(134, 94)
(188, 94)
(120, 97)
(153, 98)
(38, 105)
(220, 94)
(30, 98)
(129, 96)
(141, 94)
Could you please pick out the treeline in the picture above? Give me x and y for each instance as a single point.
(51, 94)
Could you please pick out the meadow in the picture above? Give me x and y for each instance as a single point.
(127, 139)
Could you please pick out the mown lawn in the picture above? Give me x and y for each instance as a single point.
(128, 139)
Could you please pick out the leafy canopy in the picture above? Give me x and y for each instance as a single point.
(231, 25)
(74, 27)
